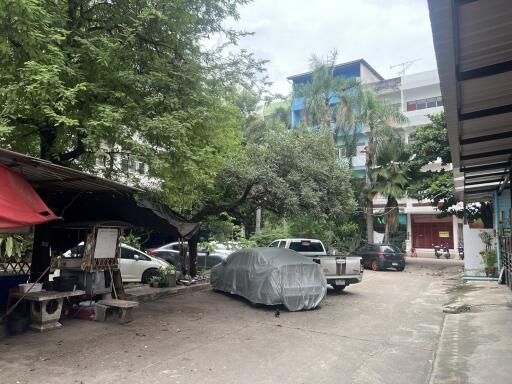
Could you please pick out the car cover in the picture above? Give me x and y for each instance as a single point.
(271, 276)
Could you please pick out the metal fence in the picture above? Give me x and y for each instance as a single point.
(505, 240)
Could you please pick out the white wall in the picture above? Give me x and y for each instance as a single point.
(367, 76)
(420, 79)
(472, 247)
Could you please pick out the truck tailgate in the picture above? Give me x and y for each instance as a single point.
(339, 265)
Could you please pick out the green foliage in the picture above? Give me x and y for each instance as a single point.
(390, 179)
(131, 240)
(82, 79)
(268, 235)
(487, 239)
(207, 246)
(169, 270)
(431, 142)
(223, 227)
(163, 275)
(12, 247)
(287, 173)
(337, 120)
(489, 257)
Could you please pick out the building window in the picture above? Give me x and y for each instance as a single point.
(430, 102)
(142, 168)
(342, 153)
(124, 165)
(133, 166)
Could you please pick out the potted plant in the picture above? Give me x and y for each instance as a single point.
(155, 281)
(488, 254)
(490, 257)
(168, 276)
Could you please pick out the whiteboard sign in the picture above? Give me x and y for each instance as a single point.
(106, 243)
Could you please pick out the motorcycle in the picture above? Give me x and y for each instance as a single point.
(461, 252)
(442, 250)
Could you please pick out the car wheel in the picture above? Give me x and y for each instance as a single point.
(400, 269)
(148, 274)
(338, 288)
(375, 265)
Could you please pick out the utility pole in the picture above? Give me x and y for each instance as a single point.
(258, 221)
(404, 66)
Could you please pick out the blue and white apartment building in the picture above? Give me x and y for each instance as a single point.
(417, 95)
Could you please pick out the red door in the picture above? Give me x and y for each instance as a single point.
(427, 234)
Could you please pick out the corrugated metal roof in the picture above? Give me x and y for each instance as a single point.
(44, 175)
(360, 61)
(473, 44)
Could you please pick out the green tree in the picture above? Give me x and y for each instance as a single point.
(390, 180)
(431, 146)
(380, 120)
(82, 78)
(329, 102)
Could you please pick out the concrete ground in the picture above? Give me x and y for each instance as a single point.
(385, 330)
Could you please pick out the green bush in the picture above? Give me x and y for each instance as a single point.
(490, 257)
(266, 236)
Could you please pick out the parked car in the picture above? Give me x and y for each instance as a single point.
(135, 265)
(381, 256)
(340, 271)
(171, 253)
(271, 276)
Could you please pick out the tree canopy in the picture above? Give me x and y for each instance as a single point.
(81, 78)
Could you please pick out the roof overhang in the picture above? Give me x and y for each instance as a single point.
(473, 44)
(44, 175)
(78, 196)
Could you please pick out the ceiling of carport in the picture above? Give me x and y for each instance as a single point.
(473, 43)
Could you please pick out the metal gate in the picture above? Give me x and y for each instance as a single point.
(506, 254)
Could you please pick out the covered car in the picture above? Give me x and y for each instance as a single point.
(271, 276)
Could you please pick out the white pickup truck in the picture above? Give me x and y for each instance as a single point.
(340, 271)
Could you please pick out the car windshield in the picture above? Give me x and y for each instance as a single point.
(389, 249)
(306, 246)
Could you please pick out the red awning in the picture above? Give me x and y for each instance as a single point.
(20, 205)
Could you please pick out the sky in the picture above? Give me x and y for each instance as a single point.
(383, 32)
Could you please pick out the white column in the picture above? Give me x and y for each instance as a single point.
(455, 224)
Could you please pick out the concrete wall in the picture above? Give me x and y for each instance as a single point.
(472, 247)
(367, 76)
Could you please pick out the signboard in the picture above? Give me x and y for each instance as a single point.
(444, 234)
(106, 243)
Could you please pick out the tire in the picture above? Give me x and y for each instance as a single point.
(338, 288)
(400, 269)
(375, 265)
(148, 274)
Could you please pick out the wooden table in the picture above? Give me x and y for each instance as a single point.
(46, 307)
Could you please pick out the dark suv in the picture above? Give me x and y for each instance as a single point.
(381, 256)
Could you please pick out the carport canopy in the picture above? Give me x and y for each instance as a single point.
(76, 195)
(473, 44)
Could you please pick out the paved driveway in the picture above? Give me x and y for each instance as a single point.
(384, 330)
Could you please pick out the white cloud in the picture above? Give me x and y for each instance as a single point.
(382, 32)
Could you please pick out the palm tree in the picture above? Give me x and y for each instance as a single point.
(329, 102)
(379, 120)
(389, 178)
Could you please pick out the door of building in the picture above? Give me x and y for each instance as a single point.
(425, 233)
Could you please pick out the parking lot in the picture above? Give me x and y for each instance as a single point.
(384, 330)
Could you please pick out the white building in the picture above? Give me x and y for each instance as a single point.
(419, 95)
